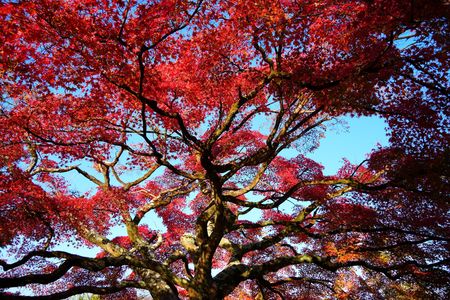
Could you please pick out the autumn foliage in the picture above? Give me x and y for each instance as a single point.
(156, 132)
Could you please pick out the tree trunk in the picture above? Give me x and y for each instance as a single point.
(158, 287)
(202, 294)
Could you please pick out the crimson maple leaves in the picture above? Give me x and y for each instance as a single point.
(117, 115)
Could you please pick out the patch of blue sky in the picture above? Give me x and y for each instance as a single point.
(355, 142)
(352, 138)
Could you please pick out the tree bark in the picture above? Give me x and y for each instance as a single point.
(158, 287)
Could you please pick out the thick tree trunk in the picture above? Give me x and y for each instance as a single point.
(164, 294)
(204, 290)
(158, 287)
(203, 294)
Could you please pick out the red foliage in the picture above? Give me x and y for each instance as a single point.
(174, 137)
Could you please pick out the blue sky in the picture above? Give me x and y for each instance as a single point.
(361, 135)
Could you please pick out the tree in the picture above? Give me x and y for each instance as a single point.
(182, 109)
